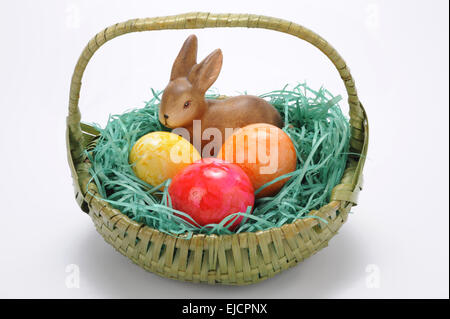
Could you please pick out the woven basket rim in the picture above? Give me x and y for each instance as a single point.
(312, 221)
(333, 205)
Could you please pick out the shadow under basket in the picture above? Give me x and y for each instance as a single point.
(239, 259)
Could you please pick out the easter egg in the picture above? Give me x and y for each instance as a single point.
(264, 152)
(210, 190)
(158, 156)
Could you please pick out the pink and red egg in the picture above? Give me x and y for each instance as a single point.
(210, 190)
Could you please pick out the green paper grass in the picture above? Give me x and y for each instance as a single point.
(314, 122)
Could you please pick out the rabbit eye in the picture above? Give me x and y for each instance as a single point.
(187, 104)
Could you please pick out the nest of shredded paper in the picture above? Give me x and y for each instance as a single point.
(314, 122)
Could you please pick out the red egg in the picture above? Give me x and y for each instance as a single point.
(210, 190)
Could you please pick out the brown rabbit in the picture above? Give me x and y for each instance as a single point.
(183, 100)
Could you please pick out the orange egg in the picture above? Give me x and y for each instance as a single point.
(264, 152)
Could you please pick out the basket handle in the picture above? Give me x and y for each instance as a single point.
(200, 20)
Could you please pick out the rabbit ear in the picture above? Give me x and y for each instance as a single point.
(186, 59)
(204, 74)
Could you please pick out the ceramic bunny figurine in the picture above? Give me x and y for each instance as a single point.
(183, 100)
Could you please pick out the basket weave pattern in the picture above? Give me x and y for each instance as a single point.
(240, 259)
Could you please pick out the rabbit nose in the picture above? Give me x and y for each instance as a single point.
(166, 116)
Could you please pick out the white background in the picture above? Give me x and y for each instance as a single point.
(398, 53)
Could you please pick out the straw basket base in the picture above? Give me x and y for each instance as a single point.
(234, 260)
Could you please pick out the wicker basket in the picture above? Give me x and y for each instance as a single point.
(240, 259)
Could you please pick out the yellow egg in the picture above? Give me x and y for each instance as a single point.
(158, 156)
